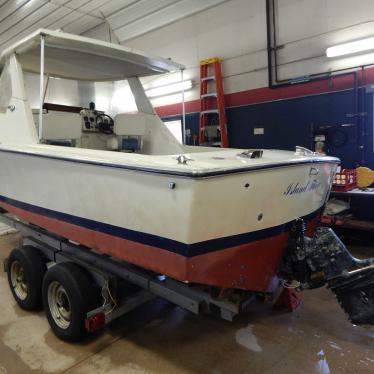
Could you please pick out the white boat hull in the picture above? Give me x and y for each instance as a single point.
(192, 229)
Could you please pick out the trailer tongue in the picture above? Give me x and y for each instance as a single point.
(324, 260)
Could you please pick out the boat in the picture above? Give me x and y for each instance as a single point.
(123, 185)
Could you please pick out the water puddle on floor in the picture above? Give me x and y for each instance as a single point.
(333, 345)
(322, 367)
(31, 347)
(103, 364)
(24, 334)
(246, 338)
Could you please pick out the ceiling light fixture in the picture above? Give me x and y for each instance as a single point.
(351, 47)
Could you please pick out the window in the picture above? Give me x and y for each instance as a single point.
(175, 127)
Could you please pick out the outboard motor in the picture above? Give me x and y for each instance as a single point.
(324, 260)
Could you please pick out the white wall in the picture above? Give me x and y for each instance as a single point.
(236, 32)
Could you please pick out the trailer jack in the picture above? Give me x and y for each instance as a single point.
(325, 261)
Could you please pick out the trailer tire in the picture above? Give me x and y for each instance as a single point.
(67, 297)
(26, 268)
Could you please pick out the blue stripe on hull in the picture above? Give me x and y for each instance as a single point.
(187, 250)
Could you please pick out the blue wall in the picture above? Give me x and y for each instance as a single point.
(290, 122)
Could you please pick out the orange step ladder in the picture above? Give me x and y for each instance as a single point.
(213, 125)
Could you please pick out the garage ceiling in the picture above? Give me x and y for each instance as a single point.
(127, 18)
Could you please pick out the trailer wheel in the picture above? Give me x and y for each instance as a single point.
(26, 269)
(67, 297)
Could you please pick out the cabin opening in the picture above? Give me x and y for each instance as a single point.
(100, 115)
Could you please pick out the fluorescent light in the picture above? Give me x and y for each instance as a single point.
(169, 89)
(351, 47)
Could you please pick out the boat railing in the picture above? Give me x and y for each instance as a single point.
(302, 151)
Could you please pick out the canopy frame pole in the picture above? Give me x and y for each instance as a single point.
(183, 109)
(45, 88)
(41, 88)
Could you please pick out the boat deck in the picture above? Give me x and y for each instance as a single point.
(198, 161)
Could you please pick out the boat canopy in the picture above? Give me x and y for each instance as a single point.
(80, 58)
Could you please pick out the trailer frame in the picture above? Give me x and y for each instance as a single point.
(107, 271)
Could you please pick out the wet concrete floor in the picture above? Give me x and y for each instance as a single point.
(161, 338)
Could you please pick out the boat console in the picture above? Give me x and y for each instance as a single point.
(91, 129)
(95, 121)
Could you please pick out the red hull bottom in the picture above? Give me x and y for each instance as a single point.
(252, 266)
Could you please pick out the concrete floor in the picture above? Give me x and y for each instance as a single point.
(161, 338)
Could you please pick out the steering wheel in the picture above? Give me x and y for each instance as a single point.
(106, 123)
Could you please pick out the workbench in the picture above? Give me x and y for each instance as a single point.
(367, 192)
(361, 214)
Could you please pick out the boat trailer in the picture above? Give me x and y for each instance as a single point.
(111, 277)
(307, 263)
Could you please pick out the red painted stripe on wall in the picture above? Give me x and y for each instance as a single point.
(264, 94)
